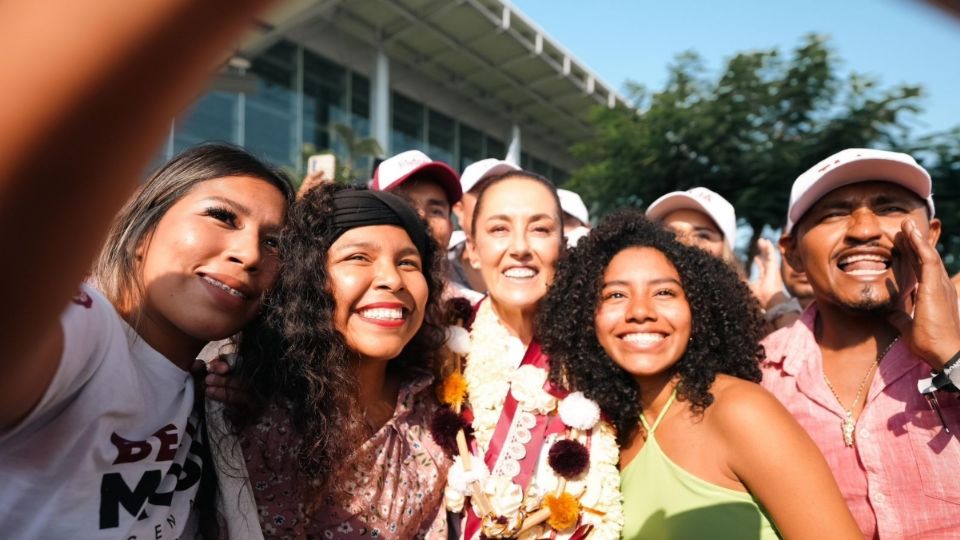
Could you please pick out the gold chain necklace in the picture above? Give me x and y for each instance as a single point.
(848, 423)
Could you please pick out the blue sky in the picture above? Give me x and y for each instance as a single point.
(896, 41)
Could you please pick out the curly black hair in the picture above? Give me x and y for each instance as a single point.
(725, 338)
(298, 360)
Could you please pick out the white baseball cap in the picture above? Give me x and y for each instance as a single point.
(572, 204)
(477, 171)
(701, 199)
(394, 171)
(855, 165)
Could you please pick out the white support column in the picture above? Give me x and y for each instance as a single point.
(513, 150)
(380, 101)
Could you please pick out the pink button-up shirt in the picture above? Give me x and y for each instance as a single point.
(902, 479)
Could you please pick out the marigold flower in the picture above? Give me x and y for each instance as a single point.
(564, 511)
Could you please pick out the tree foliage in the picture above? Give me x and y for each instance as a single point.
(749, 132)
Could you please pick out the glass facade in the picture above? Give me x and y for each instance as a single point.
(300, 97)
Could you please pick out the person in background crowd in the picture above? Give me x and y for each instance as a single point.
(699, 217)
(576, 218)
(470, 181)
(666, 340)
(432, 187)
(795, 282)
(861, 227)
(517, 238)
(335, 393)
(781, 306)
(78, 102)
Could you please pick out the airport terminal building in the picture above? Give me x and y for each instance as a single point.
(459, 79)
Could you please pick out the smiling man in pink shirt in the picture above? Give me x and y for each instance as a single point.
(861, 225)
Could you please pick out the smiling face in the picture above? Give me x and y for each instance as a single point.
(694, 228)
(845, 245)
(517, 240)
(643, 320)
(376, 276)
(210, 259)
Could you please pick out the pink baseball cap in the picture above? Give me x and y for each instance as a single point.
(703, 200)
(477, 171)
(393, 172)
(855, 165)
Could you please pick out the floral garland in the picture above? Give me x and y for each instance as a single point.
(575, 490)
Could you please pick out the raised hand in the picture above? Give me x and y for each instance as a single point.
(929, 318)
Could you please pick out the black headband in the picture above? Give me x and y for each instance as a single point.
(363, 208)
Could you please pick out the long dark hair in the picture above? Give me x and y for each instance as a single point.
(725, 337)
(298, 360)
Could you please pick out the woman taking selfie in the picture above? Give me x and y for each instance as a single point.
(113, 446)
(672, 358)
(337, 395)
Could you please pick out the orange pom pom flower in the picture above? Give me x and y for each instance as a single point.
(564, 511)
(452, 390)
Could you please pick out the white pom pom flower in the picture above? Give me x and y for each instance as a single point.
(579, 412)
(457, 340)
(458, 479)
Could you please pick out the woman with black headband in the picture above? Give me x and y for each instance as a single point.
(334, 423)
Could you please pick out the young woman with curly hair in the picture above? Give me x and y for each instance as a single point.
(665, 338)
(334, 428)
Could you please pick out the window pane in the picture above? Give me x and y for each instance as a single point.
(360, 104)
(407, 125)
(441, 137)
(270, 122)
(212, 118)
(496, 149)
(324, 102)
(471, 146)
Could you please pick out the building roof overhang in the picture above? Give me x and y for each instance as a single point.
(484, 50)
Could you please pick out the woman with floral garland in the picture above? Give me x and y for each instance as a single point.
(538, 464)
(333, 426)
(672, 359)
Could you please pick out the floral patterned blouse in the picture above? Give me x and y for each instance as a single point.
(392, 487)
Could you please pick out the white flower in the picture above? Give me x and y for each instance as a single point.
(459, 479)
(505, 496)
(579, 412)
(457, 340)
(526, 385)
(603, 448)
(453, 499)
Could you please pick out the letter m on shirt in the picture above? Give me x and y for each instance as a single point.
(114, 493)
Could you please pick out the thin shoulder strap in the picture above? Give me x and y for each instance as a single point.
(650, 429)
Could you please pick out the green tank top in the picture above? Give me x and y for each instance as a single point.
(663, 501)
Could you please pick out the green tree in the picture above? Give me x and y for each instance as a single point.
(746, 134)
(940, 154)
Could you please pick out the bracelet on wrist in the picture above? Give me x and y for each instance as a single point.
(949, 377)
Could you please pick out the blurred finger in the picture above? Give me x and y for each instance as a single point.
(216, 381)
(926, 253)
(219, 366)
(216, 394)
